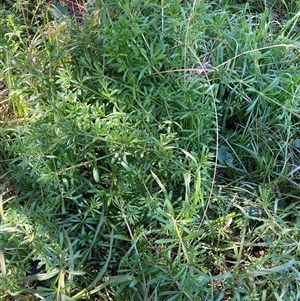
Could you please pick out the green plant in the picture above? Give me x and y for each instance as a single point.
(159, 157)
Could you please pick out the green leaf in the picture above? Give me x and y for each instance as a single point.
(58, 11)
(96, 174)
(194, 235)
(296, 143)
(165, 241)
(224, 156)
(229, 160)
(77, 273)
(121, 237)
(41, 276)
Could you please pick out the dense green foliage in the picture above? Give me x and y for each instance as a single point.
(150, 151)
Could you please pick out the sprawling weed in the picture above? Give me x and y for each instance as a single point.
(158, 154)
